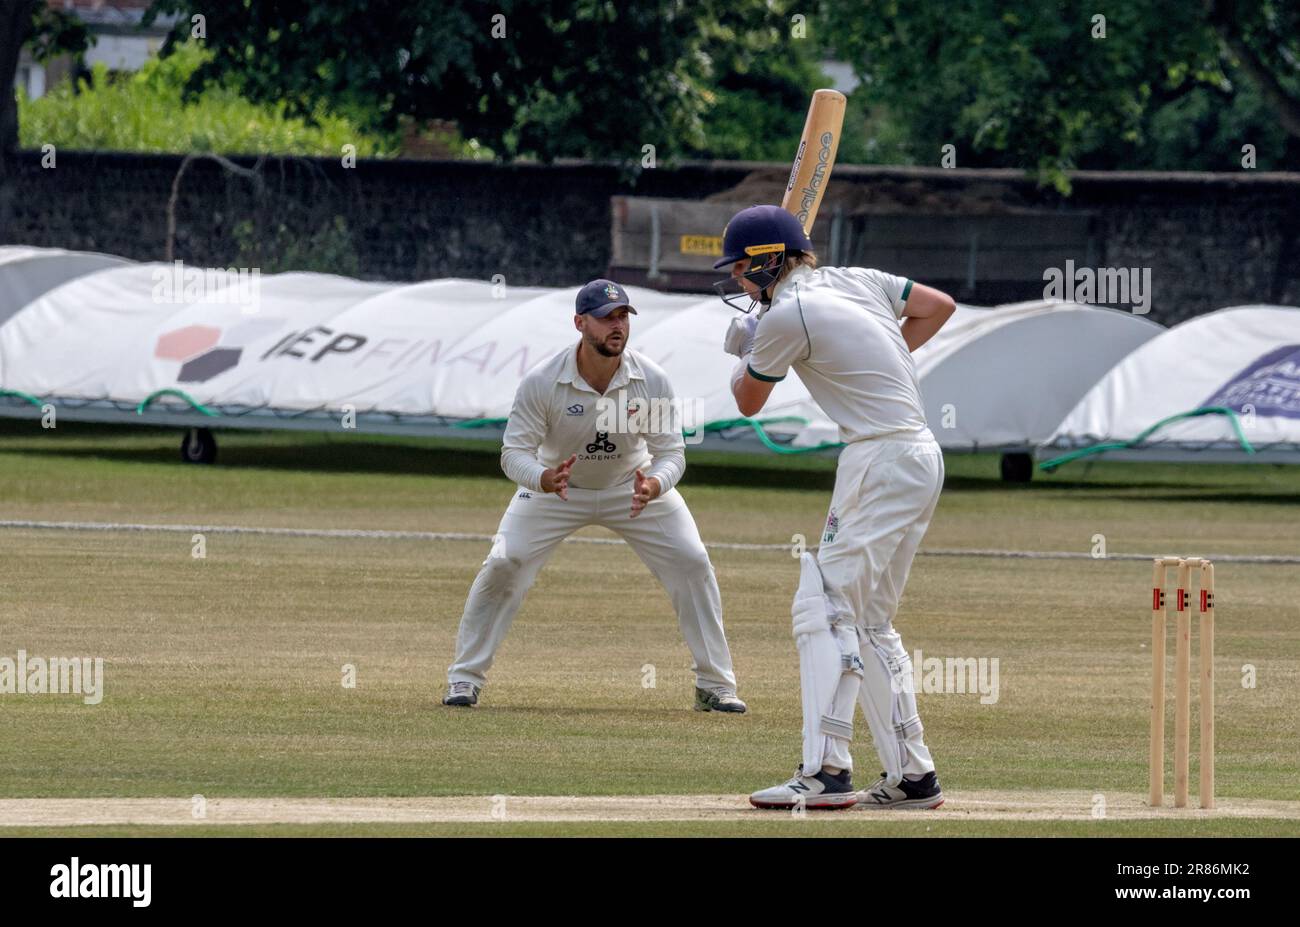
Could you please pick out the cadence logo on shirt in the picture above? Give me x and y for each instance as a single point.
(1270, 385)
(602, 443)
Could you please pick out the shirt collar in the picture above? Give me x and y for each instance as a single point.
(798, 273)
(629, 368)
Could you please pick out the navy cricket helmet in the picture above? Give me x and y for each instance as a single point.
(764, 235)
(761, 230)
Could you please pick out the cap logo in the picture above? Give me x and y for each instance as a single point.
(611, 291)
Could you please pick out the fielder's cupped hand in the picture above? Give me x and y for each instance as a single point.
(556, 480)
(740, 335)
(643, 490)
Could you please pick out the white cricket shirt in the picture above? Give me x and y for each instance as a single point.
(839, 328)
(557, 414)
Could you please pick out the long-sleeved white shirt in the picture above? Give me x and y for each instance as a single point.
(557, 414)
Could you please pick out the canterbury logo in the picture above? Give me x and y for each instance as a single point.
(602, 443)
(575, 409)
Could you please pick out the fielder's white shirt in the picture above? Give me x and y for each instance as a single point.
(556, 414)
(839, 328)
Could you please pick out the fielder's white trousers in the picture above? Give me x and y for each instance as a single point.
(664, 536)
(886, 490)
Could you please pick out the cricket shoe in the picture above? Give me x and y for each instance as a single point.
(718, 700)
(923, 793)
(464, 694)
(823, 790)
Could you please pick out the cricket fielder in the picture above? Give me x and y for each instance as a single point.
(838, 327)
(583, 450)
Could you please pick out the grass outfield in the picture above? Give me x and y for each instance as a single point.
(223, 675)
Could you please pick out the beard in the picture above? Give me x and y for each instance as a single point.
(604, 349)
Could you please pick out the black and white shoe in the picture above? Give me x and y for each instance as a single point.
(719, 700)
(822, 790)
(464, 694)
(923, 793)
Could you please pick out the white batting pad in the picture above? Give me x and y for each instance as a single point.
(830, 672)
(889, 701)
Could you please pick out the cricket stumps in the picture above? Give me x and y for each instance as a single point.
(1182, 679)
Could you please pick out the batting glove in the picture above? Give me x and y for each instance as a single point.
(740, 336)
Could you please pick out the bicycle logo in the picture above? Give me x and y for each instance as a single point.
(602, 443)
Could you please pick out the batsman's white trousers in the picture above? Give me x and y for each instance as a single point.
(886, 490)
(664, 536)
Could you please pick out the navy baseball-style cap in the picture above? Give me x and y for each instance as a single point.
(601, 297)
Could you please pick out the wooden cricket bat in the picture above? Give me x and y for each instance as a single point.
(815, 157)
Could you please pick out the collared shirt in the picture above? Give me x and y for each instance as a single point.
(631, 426)
(839, 328)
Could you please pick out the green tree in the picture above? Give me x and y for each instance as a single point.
(758, 96)
(587, 78)
(1262, 38)
(1031, 85)
(48, 32)
(145, 111)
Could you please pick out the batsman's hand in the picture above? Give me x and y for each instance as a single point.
(643, 490)
(740, 335)
(556, 479)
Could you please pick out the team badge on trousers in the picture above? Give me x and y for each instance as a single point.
(832, 527)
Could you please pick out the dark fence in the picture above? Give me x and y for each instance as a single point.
(1209, 240)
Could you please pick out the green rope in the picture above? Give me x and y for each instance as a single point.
(21, 395)
(1050, 465)
(724, 424)
(179, 394)
(757, 424)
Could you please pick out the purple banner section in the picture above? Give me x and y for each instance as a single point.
(1270, 385)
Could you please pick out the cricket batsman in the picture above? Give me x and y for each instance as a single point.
(839, 328)
(583, 450)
